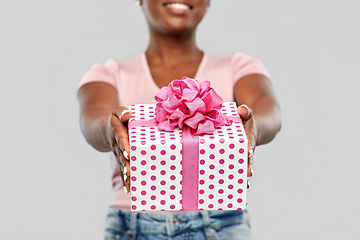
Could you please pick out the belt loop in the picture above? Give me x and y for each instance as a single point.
(167, 222)
(132, 227)
(207, 229)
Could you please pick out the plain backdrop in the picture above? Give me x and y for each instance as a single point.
(53, 185)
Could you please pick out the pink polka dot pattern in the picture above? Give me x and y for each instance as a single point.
(221, 163)
(156, 165)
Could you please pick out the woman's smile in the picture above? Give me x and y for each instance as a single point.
(178, 8)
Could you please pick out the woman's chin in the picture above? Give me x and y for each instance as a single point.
(179, 26)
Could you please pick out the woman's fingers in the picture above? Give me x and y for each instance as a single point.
(126, 173)
(122, 136)
(124, 165)
(119, 119)
(250, 162)
(118, 155)
(246, 115)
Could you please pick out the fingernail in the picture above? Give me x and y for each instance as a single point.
(252, 172)
(126, 155)
(124, 112)
(125, 189)
(125, 171)
(251, 152)
(245, 106)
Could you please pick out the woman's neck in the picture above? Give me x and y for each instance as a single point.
(172, 50)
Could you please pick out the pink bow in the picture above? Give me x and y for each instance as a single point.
(192, 103)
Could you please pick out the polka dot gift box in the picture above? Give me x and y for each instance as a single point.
(188, 152)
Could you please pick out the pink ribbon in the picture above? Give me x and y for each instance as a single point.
(190, 173)
(187, 102)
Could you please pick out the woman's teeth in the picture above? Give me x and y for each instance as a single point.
(178, 6)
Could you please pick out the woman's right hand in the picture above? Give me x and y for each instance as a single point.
(104, 123)
(119, 141)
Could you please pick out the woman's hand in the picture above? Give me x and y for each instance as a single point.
(104, 123)
(256, 91)
(119, 141)
(250, 129)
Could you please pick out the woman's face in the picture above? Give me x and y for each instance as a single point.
(176, 17)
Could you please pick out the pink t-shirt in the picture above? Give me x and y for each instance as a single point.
(134, 83)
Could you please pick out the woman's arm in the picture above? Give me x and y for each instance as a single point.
(103, 122)
(256, 92)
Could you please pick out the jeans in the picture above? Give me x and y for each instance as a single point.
(197, 225)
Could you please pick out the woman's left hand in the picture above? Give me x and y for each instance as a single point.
(250, 129)
(256, 91)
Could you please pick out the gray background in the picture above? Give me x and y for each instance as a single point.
(53, 185)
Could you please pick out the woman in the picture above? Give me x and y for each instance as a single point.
(107, 88)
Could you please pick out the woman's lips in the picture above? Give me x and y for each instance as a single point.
(178, 8)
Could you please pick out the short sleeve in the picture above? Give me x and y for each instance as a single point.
(243, 65)
(107, 73)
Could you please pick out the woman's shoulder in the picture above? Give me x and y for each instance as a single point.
(235, 57)
(234, 61)
(239, 64)
(110, 70)
(126, 63)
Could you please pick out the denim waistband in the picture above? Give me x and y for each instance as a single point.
(174, 223)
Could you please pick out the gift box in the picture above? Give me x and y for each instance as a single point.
(184, 168)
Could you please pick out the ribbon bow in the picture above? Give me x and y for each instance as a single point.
(191, 103)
